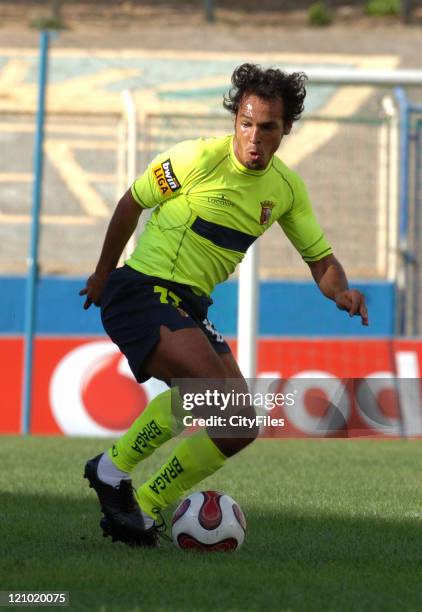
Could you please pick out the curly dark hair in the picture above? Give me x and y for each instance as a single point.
(268, 83)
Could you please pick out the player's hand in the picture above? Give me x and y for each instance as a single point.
(353, 301)
(93, 290)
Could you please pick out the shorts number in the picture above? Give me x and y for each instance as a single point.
(165, 294)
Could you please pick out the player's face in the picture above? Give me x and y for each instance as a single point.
(259, 128)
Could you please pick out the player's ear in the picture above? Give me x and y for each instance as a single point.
(287, 128)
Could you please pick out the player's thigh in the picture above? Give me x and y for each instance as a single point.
(238, 383)
(232, 373)
(184, 354)
(233, 438)
(231, 366)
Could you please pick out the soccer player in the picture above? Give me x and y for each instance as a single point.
(212, 198)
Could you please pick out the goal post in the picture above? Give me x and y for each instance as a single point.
(395, 201)
(158, 131)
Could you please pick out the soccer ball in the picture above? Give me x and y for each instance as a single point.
(208, 521)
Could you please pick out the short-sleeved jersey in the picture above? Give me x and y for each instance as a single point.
(209, 209)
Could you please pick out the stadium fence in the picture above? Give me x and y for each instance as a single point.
(349, 150)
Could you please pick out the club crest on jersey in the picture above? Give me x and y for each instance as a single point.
(266, 208)
(165, 178)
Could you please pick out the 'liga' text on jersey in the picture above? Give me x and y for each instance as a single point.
(165, 178)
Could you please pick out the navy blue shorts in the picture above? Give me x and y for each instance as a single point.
(134, 306)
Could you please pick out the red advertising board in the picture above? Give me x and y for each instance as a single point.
(83, 386)
(11, 358)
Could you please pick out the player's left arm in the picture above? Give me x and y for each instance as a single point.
(331, 278)
(302, 228)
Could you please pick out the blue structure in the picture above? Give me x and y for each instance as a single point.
(287, 308)
(407, 292)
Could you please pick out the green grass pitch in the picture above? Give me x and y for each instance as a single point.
(332, 525)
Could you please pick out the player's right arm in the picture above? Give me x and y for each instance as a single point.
(122, 225)
(303, 230)
(162, 180)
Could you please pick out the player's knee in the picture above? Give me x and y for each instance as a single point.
(237, 432)
(247, 428)
(206, 397)
(247, 425)
(232, 446)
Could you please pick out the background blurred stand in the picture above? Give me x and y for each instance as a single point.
(405, 10)
(209, 10)
(126, 164)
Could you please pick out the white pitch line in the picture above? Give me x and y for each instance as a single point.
(16, 177)
(294, 58)
(314, 134)
(27, 177)
(99, 130)
(100, 145)
(7, 219)
(98, 177)
(74, 177)
(13, 72)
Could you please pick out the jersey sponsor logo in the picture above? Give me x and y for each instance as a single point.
(84, 384)
(266, 209)
(220, 200)
(165, 178)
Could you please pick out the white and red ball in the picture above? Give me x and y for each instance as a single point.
(208, 521)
